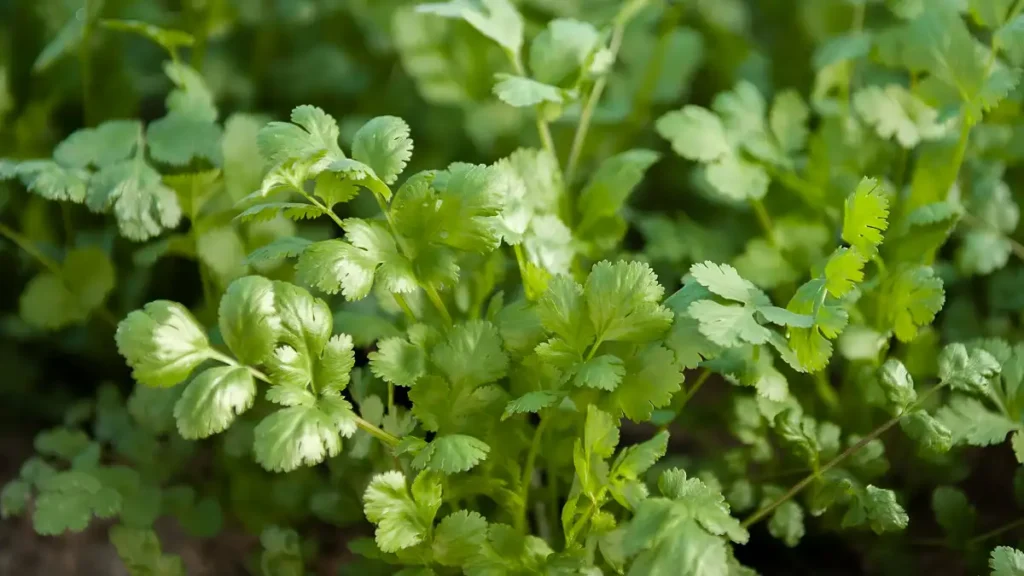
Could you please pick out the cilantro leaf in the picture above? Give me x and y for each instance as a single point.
(561, 49)
(865, 217)
(303, 435)
(966, 370)
(52, 301)
(402, 520)
(451, 454)
(695, 133)
(212, 399)
(141, 553)
(623, 302)
(459, 537)
(497, 19)
(311, 133)
(603, 372)
(162, 343)
(68, 500)
(912, 296)
(1006, 561)
(398, 361)
(248, 319)
(520, 92)
(384, 145)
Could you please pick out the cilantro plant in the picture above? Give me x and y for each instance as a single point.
(624, 287)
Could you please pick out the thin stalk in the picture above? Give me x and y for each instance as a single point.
(204, 277)
(825, 390)
(543, 130)
(531, 460)
(520, 260)
(997, 531)
(200, 31)
(704, 375)
(435, 298)
(588, 109)
(799, 486)
(51, 266)
(367, 427)
(765, 220)
(85, 65)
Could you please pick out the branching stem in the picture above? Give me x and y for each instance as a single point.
(799, 486)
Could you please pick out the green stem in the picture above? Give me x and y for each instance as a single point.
(997, 531)
(825, 390)
(531, 460)
(200, 30)
(51, 266)
(204, 277)
(259, 375)
(85, 65)
(520, 260)
(587, 114)
(765, 220)
(435, 298)
(574, 530)
(799, 486)
(543, 130)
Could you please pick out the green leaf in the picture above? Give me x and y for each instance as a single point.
(1006, 561)
(212, 400)
(52, 301)
(142, 204)
(603, 372)
(652, 377)
(737, 179)
(312, 133)
(928, 432)
(282, 552)
(788, 120)
(897, 385)
(106, 144)
(894, 111)
(497, 19)
(333, 368)
(971, 422)
(14, 498)
(612, 183)
(384, 145)
(725, 281)
(531, 402)
(728, 326)
(284, 247)
(167, 38)
(633, 461)
(52, 181)
(68, 500)
(558, 53)
(398, 361)
(141, 553)
(878, 508)
(969, 371)
(471, 355)
(843, 271)
(303, 435)
(955, 514)
(459, 537)
(176, 139)
(248, 320)
(291, 210)
(912, 297)
(520, 92)
(162, 343)
(623, 301)
(787, 523)
(451, 454)
(695, 133)
(865, 217)
(350, 267)
(402, 520)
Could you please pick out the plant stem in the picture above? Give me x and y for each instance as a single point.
(763, 512)
(531, 460)
(204, 278)
(51, 266)
(704, 375)
(85, 65)
(438, 303)
(765, 220)
(588, 109)
(259, 375)
(997, 531)
(543, 130)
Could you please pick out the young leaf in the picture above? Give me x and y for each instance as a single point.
(402, 520)
(162, 343)
(384, 145)
(212, 399)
